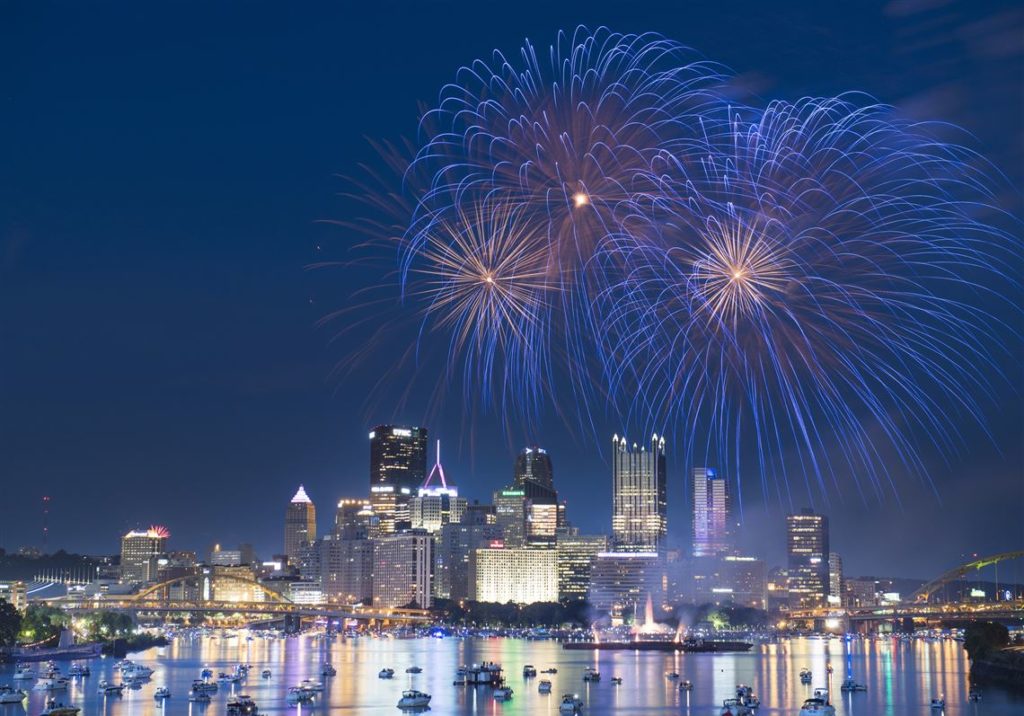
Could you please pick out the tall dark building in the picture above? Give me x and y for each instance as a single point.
(808, 549)
(398, 466)
(534, 475)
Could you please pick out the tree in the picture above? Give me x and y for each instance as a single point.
(10, 623)
(983, 638)
(42, 622)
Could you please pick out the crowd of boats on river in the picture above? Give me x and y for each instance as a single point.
(49, 678)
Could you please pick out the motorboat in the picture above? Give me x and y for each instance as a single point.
(414, 670)
(591, 674)
(552, 670)
(136, 671)
(817, 707)
(503, 693)
(242, 705)
(851, 685)
(110, 689)
(79, 670)
(735, 707)
(413, 699)
(544, 687)
(974, 695)
(671, 676)
(485, 674)
(229, 678)
(310, 685)
(385, 674)
(51, 683)
(206, 687)
(162, 693)
(939, 702)
(571, 704)
(58, 709)
(529, 670)
(821, 693)
(24, 672)
(299, 695)
(805, 676)
(199, 697)
(9, 695)
(328, 670)
(617, 680)
(686, 685)
(265, 673)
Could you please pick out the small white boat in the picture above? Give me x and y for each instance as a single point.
(817, 707)
(55, 709)
(529, 671)
(544, 686)
(849, 685)
(79, 670)
(162, 693)
(591, 674)
(385, 673)
(671, 676)
(136, 671)
(735, 707)
(299, 695)
(10, 695)
(199, 697)
(24, 672)
(939, 702)
(414, 670)
(552, 670)
(51, 683)
(413, 699)
(617, 680)
(328, 670)
(686, 685)
(571, 704)
(805, 676)
(110, 689)
(310, 685)
(503, 693)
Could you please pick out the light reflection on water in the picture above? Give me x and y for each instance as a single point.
(901, 677)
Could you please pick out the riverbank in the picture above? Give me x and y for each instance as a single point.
(1004, 667)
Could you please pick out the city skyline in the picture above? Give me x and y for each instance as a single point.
(163, 336)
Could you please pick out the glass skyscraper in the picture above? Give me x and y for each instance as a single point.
(639, 496)
(712, 505)
(808, 549)
(398, 467)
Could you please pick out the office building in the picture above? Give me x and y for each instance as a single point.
(576, 554)
(299, 524)
(620, 581)
(534, 475)
(835, 579)
(346, 569)
(639, 498)
(511, 510)
(398, 466)
(454, 548)
(711, 513)
(807, 548)
(14, 593)
(732, 579)
(140, 552)
(522, 576)
(437, 501)
(355, 519)
(402, 565)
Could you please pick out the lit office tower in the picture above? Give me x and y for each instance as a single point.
(835, 578)
(398, 466)
(639, 502)
(711, 513)
(521, 576)
(576, 555)
(401, 570)
(511, 509)
(299, 525)
(140, 550)
(437, 502)
(355, 519)
(807, 547)
(535, 478)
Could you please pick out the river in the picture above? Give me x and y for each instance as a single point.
(901, 677)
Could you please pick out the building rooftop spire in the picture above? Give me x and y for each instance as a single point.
(301, 496)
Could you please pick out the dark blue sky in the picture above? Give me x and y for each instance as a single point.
(163, 176)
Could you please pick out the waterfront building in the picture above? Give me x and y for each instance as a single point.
(511, 510)
(402, 565)
(306, 593)
(639, 498)
(712, 507)
(346, 568)
(622, 581)
(14, 593)
(140, 551)
(576, 554)
(455, 546)
(861, 592)
(398, 466)
(519, 575)
(835, 578)
(807, 548)
(225, 584)
(299, 524)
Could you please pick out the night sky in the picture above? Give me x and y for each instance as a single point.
(168, 173)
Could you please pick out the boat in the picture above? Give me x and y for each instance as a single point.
(206, 687)
(109, 689)
(24, 672)
(939, 702)
(552, 670)
(544, 687)
(199, 697)
(413, 699)
(821, 693)
(686, 685)
(265, 673)
(617, 680)
(974, 695)
(162, 693)
(55, 709)
(817, 707)
(735, 707)
(503, 693)
(299, 695)
(207, 673)
(51, 683)
(805, 676)
(529, 670)
(228, 678)
(571, 704)
(310, 685)
(385, 673)
(485, 674)
(672, 676)
(136, 671)
(851, 685)
(9, 695)
(328, 670)
(414, 670)
(591, 674)
(242, 705)
(79, 670)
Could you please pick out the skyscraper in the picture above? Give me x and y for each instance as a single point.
(511, 508)
(355, 519)
(139, 552)
(436, 502)
(712, 506)
(299, 524)
(807, 549)
(639, 497)
(576, 555)
(534, 474)
(398, 466)
(835, 578)
(402, 570)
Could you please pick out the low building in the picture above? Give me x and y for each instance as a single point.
(522, 576)
(15, 593)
